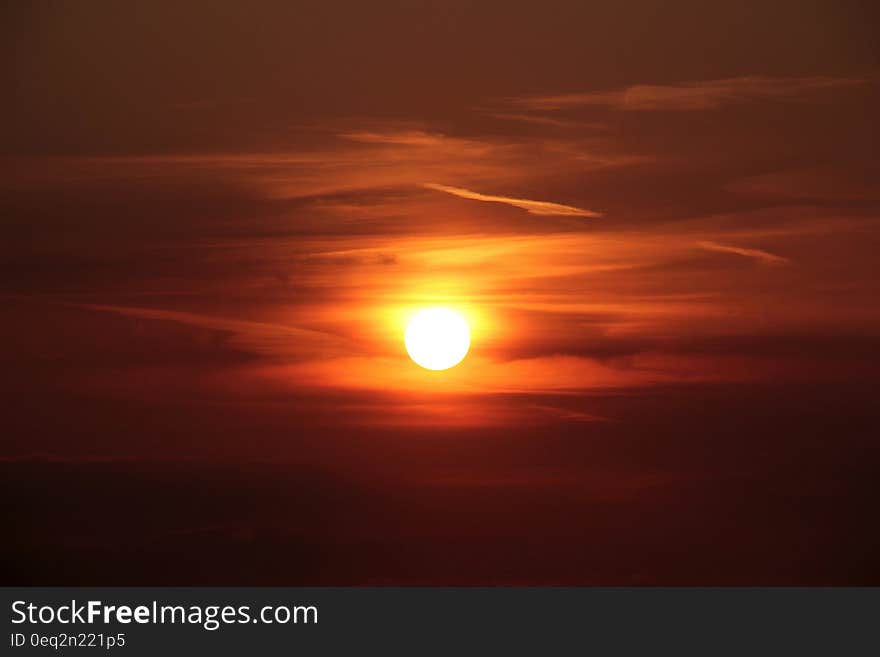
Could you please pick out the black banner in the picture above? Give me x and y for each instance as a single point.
(171, 621)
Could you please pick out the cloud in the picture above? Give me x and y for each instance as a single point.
(258, 337)
(762, 256)
(530, 206)
(361, 158)
(537, 119)
(691, 96)
(397, 138)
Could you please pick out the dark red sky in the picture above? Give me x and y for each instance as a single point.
(661, 220)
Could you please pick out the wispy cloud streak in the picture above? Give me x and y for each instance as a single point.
(260, 337)
(530, 206)
(398, 138)
(757, 254)
(691, 96)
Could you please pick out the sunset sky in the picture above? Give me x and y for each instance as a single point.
(661, 221)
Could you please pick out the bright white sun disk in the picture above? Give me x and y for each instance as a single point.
(437, 338)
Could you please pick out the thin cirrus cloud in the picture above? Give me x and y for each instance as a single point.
(259, 337)
(763, 257)
(692, 96)
(535, 119)
(378, 156)
(397, 137)
(530, 206)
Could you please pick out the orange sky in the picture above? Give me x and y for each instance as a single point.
(712, 230)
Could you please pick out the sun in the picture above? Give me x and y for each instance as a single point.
(437, 338)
